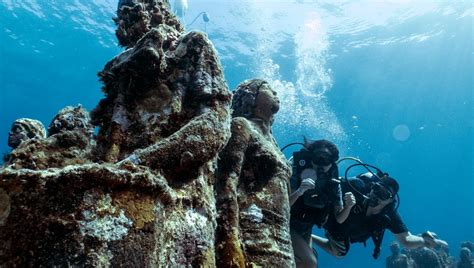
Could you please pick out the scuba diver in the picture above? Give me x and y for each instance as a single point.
(317, 195)
(397, 259)
(375, 210)
(180, 8)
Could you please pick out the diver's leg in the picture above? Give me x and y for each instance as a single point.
(304, 256)
(330, 247)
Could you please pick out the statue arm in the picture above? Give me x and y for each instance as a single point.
(194, 144)
(231, 161)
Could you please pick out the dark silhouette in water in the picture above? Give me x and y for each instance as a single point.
(465, 258)
(425, 258)
(398, 259)
(468, 244)
(447, 260)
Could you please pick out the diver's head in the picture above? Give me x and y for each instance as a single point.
(324, 152)
(395, 248)
(390, 183)
(324, 155)
(383, 192)
(255, 98)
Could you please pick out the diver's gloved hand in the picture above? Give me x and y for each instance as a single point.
(309, 173)
(306, 184)
(349, 199)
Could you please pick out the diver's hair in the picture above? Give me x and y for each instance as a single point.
(391, 183)
(244, 97)
(312, 146)
(320, 144)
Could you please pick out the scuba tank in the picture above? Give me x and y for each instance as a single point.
(375, 178)
(302, 160)
(180, 7)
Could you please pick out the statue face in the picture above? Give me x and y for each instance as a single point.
(16, 135)
(267, 102)
(395, 248)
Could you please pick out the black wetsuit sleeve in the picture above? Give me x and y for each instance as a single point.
(396, 224)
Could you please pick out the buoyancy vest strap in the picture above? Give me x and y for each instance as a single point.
(377, 237)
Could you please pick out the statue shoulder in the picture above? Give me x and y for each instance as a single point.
(240, 124)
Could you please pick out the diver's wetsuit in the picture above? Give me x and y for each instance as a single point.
(358, 227)
(314, 206)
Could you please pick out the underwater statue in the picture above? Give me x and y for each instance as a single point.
(69, 141)
(465, 258)
(467, 244)
(425, 258)
(397, 259)
(140, 193)
(252, 186)
(135, 18)
(446, 259)
(24, 129)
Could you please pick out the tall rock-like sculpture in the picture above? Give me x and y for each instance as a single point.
(253, 185)
(140, 193)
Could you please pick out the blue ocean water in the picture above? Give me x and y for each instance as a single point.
(391, 82)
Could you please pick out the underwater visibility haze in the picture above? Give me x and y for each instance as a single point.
(390, 82)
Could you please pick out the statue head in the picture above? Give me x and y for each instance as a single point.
(70, 118)
(465, 254)
(395, 248)
(24, 129)
(255, 99)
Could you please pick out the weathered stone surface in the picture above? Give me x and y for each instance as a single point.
(141, 192)
(71, 118)
(4, 206)
(252, 188)
(69, 142)
(74, 215)
(136, 17)
(24, 129)
(144, 192)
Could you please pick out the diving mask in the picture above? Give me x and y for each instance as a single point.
(381, 191)
(321, 157)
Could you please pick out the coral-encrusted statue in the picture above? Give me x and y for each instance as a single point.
(144, 194)
(69, 142)
(252, 187)
(24, 129)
